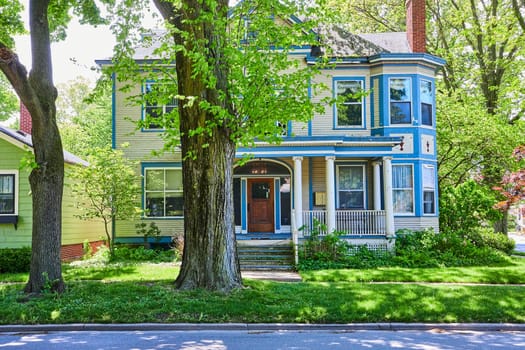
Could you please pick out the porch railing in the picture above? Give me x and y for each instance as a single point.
(351, 222)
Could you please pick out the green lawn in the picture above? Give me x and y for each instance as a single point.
(144, 293)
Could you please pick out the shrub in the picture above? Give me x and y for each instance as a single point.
(486, 237)
(15, 259)
(122, 253)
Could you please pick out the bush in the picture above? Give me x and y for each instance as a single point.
(122, 253)
(486, 237)
(15, 259)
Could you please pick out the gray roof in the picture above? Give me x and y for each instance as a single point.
(345, 44)
(340, 42)
(25, 138)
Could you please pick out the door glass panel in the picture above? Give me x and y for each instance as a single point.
(260, 190)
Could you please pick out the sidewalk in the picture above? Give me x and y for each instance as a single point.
(266, 327)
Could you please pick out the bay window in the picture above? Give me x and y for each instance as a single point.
(429, 189)
(427, 102)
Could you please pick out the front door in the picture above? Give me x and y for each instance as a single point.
(260, 205)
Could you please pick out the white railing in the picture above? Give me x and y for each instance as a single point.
(351, 222)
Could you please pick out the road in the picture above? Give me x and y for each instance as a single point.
(520, 241)
(264, 340)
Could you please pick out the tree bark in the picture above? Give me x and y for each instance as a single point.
(38, 94)
(210, 256)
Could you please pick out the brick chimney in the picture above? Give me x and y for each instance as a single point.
(25, 119)
(416, 18)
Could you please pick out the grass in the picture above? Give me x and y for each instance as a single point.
(128, 293)
(508, 274)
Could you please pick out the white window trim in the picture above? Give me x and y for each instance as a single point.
(16, 189)
(405, 213)
(361, 81)
(144, 191)
(411, 102)
(428, 189)
(362, 166)
(431, 104)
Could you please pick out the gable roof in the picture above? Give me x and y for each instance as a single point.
(21, 139)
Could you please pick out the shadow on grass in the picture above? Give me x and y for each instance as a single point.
(98, 273)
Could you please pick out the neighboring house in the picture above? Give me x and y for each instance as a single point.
(16, 216)
(368, 170)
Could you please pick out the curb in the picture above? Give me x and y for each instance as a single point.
(264, 327)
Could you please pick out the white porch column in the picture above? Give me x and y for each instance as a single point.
(298, 191)
(330, 194)
(377, 185)
(389, 202)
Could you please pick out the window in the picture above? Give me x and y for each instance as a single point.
(400, 101)
(8, 190)
(402, 189)
(427, 101)
(159, 100)
(163, 192)
(429, 189)
(351, 187)
(349, 103)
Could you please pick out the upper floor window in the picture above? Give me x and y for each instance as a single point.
(429, 189)
(349, 103)
(8, 194)
(163, 192)
(403, 189)
(159, 100)
(400, 101)
(427, 102)
(351, 187)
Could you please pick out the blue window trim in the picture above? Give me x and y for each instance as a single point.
(432, 82)
(143, 111)
(156, 165)
(334, 107)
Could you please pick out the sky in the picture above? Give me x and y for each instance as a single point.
(76, 55)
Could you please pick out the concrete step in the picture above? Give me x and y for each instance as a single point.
(266, 255)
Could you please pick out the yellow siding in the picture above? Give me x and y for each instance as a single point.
(10, 156)
(75, 230)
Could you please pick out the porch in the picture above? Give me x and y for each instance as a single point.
(354, 223)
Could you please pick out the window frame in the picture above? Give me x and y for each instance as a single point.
(164, 107)
(14, 174)
(409, 101)
(429, 188)
(422, 103)
(399, 189)
(362, 102)
(164, 191)
(362, 190)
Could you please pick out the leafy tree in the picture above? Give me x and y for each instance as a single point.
(84, 115)
(47, 20)
(234, 82)
(512, 186)
(107, 189)
(8, 101)
(467, 206)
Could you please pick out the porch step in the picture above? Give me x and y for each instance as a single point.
(267, 256)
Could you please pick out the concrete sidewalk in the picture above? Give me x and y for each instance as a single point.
(279, 276)
(266, 327)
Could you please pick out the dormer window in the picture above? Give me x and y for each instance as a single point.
(427, 102)
(400, 101)
(159, 100)
(349, 106)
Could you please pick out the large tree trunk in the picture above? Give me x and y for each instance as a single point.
(210, 257)
(39, 94)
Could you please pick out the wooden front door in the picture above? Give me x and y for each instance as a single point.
(260, 205)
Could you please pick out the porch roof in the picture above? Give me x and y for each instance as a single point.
(336, 145)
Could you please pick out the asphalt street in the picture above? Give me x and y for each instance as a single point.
(436, 339)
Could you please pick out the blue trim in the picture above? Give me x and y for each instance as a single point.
(244, 205)
(363, 103)
(277, 203)
(408, 55)
(113, 111)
